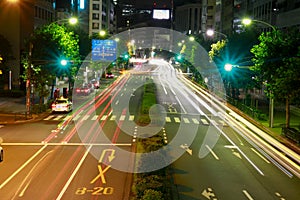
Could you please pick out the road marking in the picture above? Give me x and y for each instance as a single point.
(186, 120)
(76, 117)
(195, 121)
(110, 157)
(187, 148)
(95, 117)
(212, 152)
(85, 117)
(113, 117)
(101, 174)
(58, 117)
(49, 117)
(23, 166)
(209, 194)
(204, 121)
(247, 195)
(67, 117)
(103, 117)
(262, 157)
(168, 119)
(279, 195)
(73, 174)
(131, 117)
(177, 120)
(122, 118)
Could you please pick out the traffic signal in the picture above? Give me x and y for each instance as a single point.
(126, 57)
(179, 58)
(63, 62)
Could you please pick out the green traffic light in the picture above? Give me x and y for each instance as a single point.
(179, 57)
(63, 62)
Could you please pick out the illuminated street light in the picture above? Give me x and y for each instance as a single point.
(192, 38)
(211, 32)
(248, 21)
(102, 33)
(228, 67)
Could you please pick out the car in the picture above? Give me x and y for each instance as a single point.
(62, 105)
(109, 75)
(84, 90)
(95, 83)
(1, 154)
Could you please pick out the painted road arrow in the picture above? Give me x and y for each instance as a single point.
(187, 149)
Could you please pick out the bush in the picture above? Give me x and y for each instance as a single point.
(152, 195)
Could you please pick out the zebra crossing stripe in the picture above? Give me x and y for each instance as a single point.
(222, 122)
(49, 117)
(113, 117)
(85, 117)
(131, 117)
(177, 120)
(168, 119)
(76, 117)
(186, 120)
(95, 117)
(195, 121)
(58, 117)
(103, 117)
(122, 118)
(67, 117)
(204, 121)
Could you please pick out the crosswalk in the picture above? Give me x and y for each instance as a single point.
(168, 119)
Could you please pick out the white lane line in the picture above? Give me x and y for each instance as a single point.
(262, 157)
(22, 167)
(73, 174)
(212, 152)
(247, 195)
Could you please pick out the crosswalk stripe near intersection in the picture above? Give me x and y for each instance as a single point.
(113, 117)
(177, 120)
(49, 117)
(76, 117)
(85, 117)
(58, 117)
(204, 121)
(103, 117)
(186, 120)
(195, 121)
(131, 117)
(168, 119)
(95, 117)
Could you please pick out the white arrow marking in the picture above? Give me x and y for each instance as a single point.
(187, 149)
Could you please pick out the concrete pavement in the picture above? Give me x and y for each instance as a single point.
(13, 110)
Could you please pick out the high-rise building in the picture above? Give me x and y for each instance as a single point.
(18, 20)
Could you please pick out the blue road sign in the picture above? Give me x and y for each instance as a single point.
(104, 50)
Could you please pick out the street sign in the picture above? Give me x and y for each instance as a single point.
(104, 50)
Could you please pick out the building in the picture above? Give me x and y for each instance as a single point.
(18, 20)
(188, 18)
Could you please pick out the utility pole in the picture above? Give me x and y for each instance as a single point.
(28, 81)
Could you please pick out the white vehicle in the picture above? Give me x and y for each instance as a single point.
(62, 105)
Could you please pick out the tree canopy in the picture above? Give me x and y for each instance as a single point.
(277, 60)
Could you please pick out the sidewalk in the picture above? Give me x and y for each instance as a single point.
(13, 110)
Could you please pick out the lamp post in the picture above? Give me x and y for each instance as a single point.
(248, 21)
(211, 32)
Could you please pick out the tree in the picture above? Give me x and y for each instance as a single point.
(50, 44)
(277, 61)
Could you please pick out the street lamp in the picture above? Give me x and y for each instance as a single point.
(228, 67)
(211, 32)
(248, 21)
